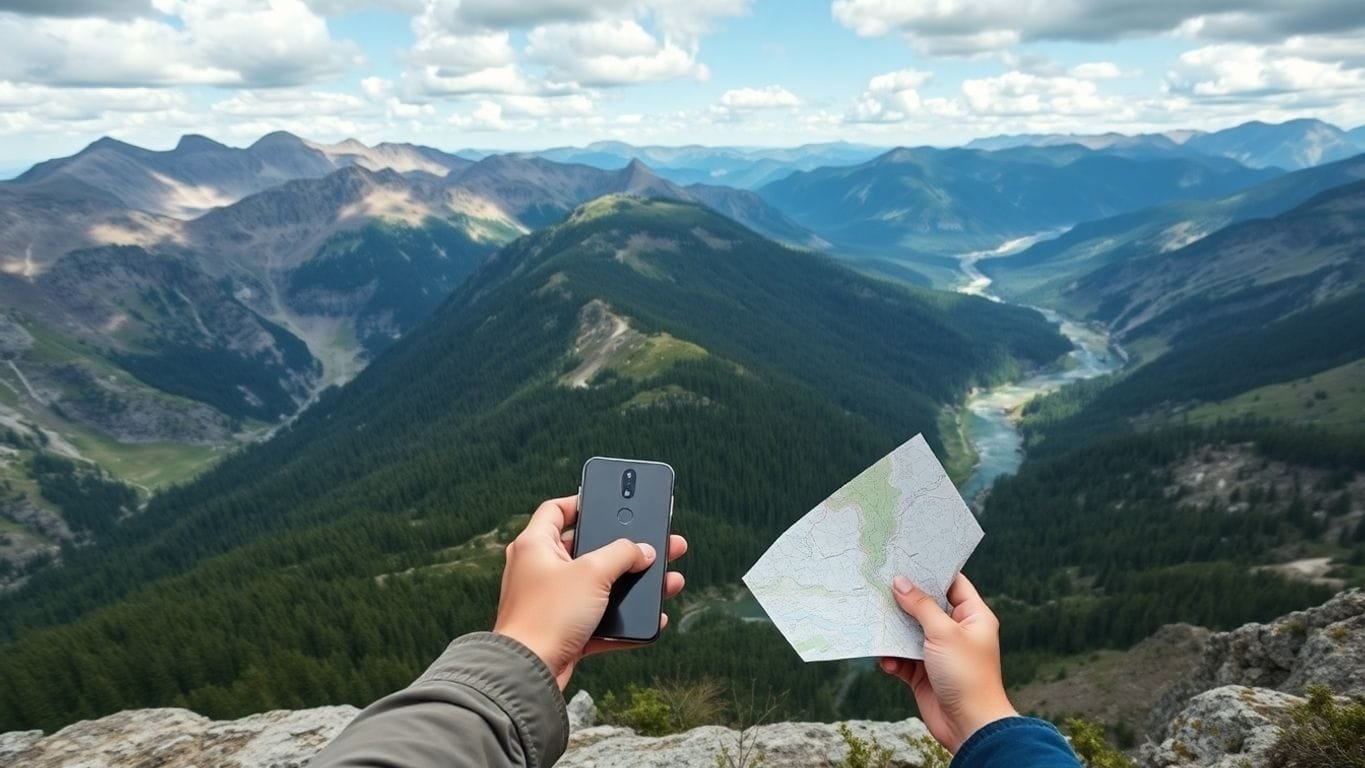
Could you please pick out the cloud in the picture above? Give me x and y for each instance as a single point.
(26, 109)
(505, 14)
(1249, 71)
(211, 42)
(610, 53)
(343, 7)
(465, 47)
(894, 97)
(1097, 70)
(966, 27)
(105, 8)
(1019, 93)
(292, 102)
(770, 97)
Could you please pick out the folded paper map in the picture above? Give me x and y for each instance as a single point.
(826, 582)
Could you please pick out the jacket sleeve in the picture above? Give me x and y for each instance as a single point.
(487, 701)
(1016, 742)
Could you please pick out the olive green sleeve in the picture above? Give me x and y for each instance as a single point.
(487, 701)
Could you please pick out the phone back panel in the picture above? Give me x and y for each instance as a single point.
(607, 514)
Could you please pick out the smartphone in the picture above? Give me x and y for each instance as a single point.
(625, 498)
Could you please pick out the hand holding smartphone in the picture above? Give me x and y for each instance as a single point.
(631, 499)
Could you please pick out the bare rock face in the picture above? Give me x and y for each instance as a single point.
(178, 738)
(1323, 645)
(1234, 706)
(1228, 727)
(783, 745)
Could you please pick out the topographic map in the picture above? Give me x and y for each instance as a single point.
(826, 582)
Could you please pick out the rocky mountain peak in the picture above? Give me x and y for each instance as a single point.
(193, 142)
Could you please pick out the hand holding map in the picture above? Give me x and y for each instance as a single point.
(826, 581)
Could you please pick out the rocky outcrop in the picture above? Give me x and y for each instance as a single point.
(172, 738)
(1230, 711)
(783, 745)
(1323, 645)
(178, 738)
(1228, 727)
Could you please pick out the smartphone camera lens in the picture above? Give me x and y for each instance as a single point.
(628, 483)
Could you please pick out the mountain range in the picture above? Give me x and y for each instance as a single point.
(932, 202)
(1046, 272)
(1291, 145)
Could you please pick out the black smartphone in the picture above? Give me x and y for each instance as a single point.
(624, 498)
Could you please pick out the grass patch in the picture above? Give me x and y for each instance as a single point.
(960, 456)
(1333, 399)
(655, 355)
(154, 465)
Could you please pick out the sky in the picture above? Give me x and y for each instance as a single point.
(522, 74)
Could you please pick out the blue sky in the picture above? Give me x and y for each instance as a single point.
(536, 73)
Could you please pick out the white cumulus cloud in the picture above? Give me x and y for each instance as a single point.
(210, 42)
(769, 97)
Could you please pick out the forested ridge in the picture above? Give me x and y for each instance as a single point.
(332, 562)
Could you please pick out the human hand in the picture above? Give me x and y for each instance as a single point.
(958, 685)
(551, 603)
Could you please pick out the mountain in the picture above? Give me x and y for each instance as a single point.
(1263, 267)
(741, 167)
(1153, 143)
(538, 192)
(942, 202)
(200, 173)
(1290, 145)
(1043, 272)
(634, 327)
(1357, 135)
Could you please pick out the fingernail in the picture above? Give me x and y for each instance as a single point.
(889, 666)
(646, 550)
(902, 585)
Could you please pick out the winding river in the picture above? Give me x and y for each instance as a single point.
(989, 424)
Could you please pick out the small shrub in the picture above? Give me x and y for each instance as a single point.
(692, 703)
(666, 707)
(863, 753)
(1087, 739)
(1323, 732)
(932, 754)
(642, 710)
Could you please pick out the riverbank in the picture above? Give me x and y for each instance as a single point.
(989, 418)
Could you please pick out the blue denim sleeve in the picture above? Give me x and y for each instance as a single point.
(1016, 742)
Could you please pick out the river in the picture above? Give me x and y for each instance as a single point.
(989, 420)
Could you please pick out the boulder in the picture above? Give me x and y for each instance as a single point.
(582, 712)
(1229, 727)
(171, 738)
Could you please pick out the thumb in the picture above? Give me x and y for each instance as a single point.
(618, 558)
(921, 607)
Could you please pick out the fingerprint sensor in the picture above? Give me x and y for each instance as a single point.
(624, 516)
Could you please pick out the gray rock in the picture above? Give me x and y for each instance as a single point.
(1228, 727)
(16, 743)
(582, 712)
(1322, 645)
(14, 339)
(178, 738)
(783, 745)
